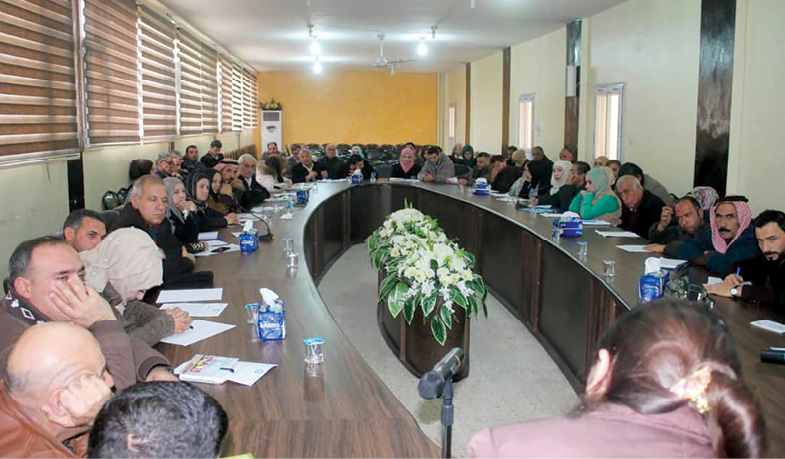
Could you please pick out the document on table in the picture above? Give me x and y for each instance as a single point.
(616, 233)
(713, 280)
(215, 250)
(198, 309)
(671, 263)
(247, 373)
(188, 295)
(209, 235)
(595, 223)
(551, 214)
(633, 248)
(200, 330)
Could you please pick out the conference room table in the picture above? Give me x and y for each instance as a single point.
(345, 409)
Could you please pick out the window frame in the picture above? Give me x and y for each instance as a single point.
(526, 98)
(607, 89)
(452, 125)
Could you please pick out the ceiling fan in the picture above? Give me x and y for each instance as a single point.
(382, 62)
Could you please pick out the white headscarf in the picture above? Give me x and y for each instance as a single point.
(556, 184)
(128, 259)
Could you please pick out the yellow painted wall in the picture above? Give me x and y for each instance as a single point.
(537, 66)
(653, 46)
(755, 166)
(454, 93)
(486, 97)
(364, 107)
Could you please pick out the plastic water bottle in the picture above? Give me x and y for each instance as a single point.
(373, 176)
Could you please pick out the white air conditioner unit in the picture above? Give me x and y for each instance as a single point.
(272, 128)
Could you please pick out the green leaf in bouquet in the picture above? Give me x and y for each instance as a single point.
(438, 330)
(394, 304)
(472, 302)
(372, 241)
(458, 298)
(387, 285)
(446, 316)
(430, 304)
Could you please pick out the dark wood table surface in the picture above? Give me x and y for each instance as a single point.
(348, 411)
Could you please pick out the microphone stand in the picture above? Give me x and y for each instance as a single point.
(267, 237)
(448, 416)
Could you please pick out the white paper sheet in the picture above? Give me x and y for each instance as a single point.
(633, 248)
(247, 217)
(200, 330)
(206, 236)
(616, 234)
(247, 373)
(671, 263)
(713, 280)
(198, 309)
(595, 223)
(219, 250)
(769, 325)
(188, 295)
(211, 244)
(551, 214)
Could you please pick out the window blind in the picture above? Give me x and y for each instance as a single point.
(190, 83)
(111, 72)
(209, 90)
(225, 94)
(249, 100)
(38, 111)
(237, 98)
(158, 82)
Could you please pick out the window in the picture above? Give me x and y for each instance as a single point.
(158, 76)
(526, 121)
(608, 121)
(452, 125)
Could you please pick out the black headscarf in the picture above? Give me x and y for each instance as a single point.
(541, 170)
(191, 181)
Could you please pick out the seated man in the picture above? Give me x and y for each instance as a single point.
(760, 279)
(646, 181)
(46, 287)
(55, 383)
(728, 240)
(615, 166)
(503, 175)
(481, 169)
(84, 229)
(163, 165)
(538, 154)
(159, 420)
(331, 166)
(147, 211)
(272, 149)
(577, 177)
(253, 193)
(177, 164)
(641, 208)
(292, 160)
(566, 155)
(437, 168)
(305, 170)
(191, 159)
(667, 237)
(213, 156)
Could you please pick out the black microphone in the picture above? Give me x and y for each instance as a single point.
(268, 237)
(432, 383)
(772, 356)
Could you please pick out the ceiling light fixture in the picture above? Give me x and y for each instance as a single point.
(317, 66)
(316, 48)
(422, 48)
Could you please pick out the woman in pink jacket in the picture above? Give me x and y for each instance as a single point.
(667, 383)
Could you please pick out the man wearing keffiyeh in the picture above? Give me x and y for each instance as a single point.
(728, 239)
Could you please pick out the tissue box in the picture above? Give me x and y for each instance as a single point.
(303, 196)
(271, 322)
(357, 179)
(569, 228)
(652, 286)
(248, 242)
(482, 188)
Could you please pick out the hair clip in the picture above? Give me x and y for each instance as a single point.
(693, 388)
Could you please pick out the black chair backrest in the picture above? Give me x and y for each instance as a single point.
(383, 170)
(109, 217)
(461, 169)
(110, 200)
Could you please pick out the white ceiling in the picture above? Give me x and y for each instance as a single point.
(273, 34)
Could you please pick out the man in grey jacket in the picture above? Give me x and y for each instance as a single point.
(437, 168)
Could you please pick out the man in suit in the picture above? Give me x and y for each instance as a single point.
(306, 170)
(214, 155)
(254, 192)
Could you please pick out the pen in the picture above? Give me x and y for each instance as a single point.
(230, 370)
(738, 271)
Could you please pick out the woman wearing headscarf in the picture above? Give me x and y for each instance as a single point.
(407, 167)
(539, 186)
(561, 194)
(523, 180)
(467, 157)
(598, 201)
(221, 196)
(122, 268)
(198, 191)
(182, 215)
(600, 161)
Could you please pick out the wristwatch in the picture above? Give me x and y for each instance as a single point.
(734, 292)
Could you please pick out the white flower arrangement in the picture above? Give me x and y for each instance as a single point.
(424, 270)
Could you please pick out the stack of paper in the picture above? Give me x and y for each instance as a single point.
(595, 223)
(222, 247)
(551, 214)
(633, 248)
(229, 369)
(616, 233)
(671, 263)
(188, 295)
(209, 235)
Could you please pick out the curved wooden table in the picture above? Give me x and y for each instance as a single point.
(349, 412)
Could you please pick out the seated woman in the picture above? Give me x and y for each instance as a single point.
(467, 157)
(357, 162)
(600, 161)
(457, 152)
(221, 197)
(269, 174)
(561, 194)
(523, 180)
(539, 184)
(122, 268)
(407, 167)
(198, 191)
(182, 215)
(598, 201)
(666, 383)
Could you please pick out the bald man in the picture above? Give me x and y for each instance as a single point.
(46, 286)
(55, 383)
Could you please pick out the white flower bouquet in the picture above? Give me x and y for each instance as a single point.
(425, 271)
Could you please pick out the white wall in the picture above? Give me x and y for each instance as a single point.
(653, 46)
(453, 92)
(538, 67)
(756, 165)
(486, 98)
